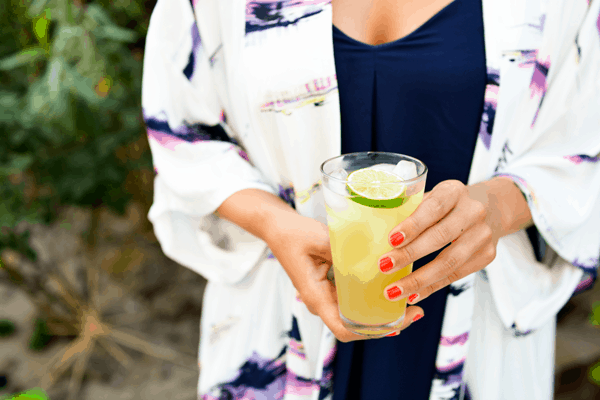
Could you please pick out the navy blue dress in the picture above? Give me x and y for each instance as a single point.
(421, 95)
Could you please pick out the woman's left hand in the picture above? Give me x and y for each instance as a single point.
(450, 213)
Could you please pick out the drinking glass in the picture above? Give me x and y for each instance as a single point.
(360, 216)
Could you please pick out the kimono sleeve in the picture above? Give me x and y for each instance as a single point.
(559, 175)
(197, 160)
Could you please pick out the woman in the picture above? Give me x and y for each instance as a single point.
(241, 110)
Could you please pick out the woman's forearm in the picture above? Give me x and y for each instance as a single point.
(508, 209)
(256, 211)
(259, 212)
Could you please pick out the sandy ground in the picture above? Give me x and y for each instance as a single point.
(578, 347)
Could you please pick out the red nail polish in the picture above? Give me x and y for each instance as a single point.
(412, 297)
(417, 317)
(394, 292)
(385, 264)
(396, 239)
(392, 334)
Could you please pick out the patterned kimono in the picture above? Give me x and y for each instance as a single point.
(243, 94)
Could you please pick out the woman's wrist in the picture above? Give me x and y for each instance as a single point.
(508, 211)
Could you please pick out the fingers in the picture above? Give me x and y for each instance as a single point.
(327, 309)
(433, 208)
(432, 239)
(413, 314)
(447, 265)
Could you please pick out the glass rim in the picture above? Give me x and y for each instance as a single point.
(405, 182)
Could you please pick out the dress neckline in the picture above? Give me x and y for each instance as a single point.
(403, 38)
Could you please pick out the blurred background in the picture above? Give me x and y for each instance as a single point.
(90, 308)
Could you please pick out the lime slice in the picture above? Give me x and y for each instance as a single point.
(376, 188)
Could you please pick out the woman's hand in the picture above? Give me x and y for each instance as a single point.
(469, 218)
(301, 245)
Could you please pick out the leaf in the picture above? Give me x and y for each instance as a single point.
(26, 56)
(40, 28)
(33, 394)
(595, 316)
(594, 373)
(9, 108)
(65, 38)
(20, 163)
(7, 328)
(41, 335)
(48, 97)
(8, 99)
(82, 85)
(116, 33)
(97, 13)
(18, 137)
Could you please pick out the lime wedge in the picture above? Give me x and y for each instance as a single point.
(376, 188)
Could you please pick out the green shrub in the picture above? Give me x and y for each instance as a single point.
(32, 394)
(594, 373)
(70, 82)
(7, 328)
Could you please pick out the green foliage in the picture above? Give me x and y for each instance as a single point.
(70, 83)
(41, 335)
(7, 328)
(594, 372)
(32, 394)
(595, 315)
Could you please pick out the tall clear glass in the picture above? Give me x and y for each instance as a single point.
(359, 226)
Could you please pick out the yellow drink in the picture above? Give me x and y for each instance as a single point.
(368, 194)
(359, 236)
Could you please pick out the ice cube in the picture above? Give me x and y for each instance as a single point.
(335, 192)
(406, 170)
(339, 173)
(334, 201)
(384, 167)
(338, 187)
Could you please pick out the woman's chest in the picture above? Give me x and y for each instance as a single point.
(376, 22)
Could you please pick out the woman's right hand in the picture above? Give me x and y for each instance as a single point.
(301, 245)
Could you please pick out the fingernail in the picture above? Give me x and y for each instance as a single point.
(394, 292)
(392, 334)
(396, 239)
(417, 317)
(385, 264)
(412, 297)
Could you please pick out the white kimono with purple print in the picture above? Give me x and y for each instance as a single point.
(243, 94)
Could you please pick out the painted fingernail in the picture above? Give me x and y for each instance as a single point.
(396, 239)
(412, 297)
(385, 264)
(394, 292)
(392, 334)
(417, 317)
